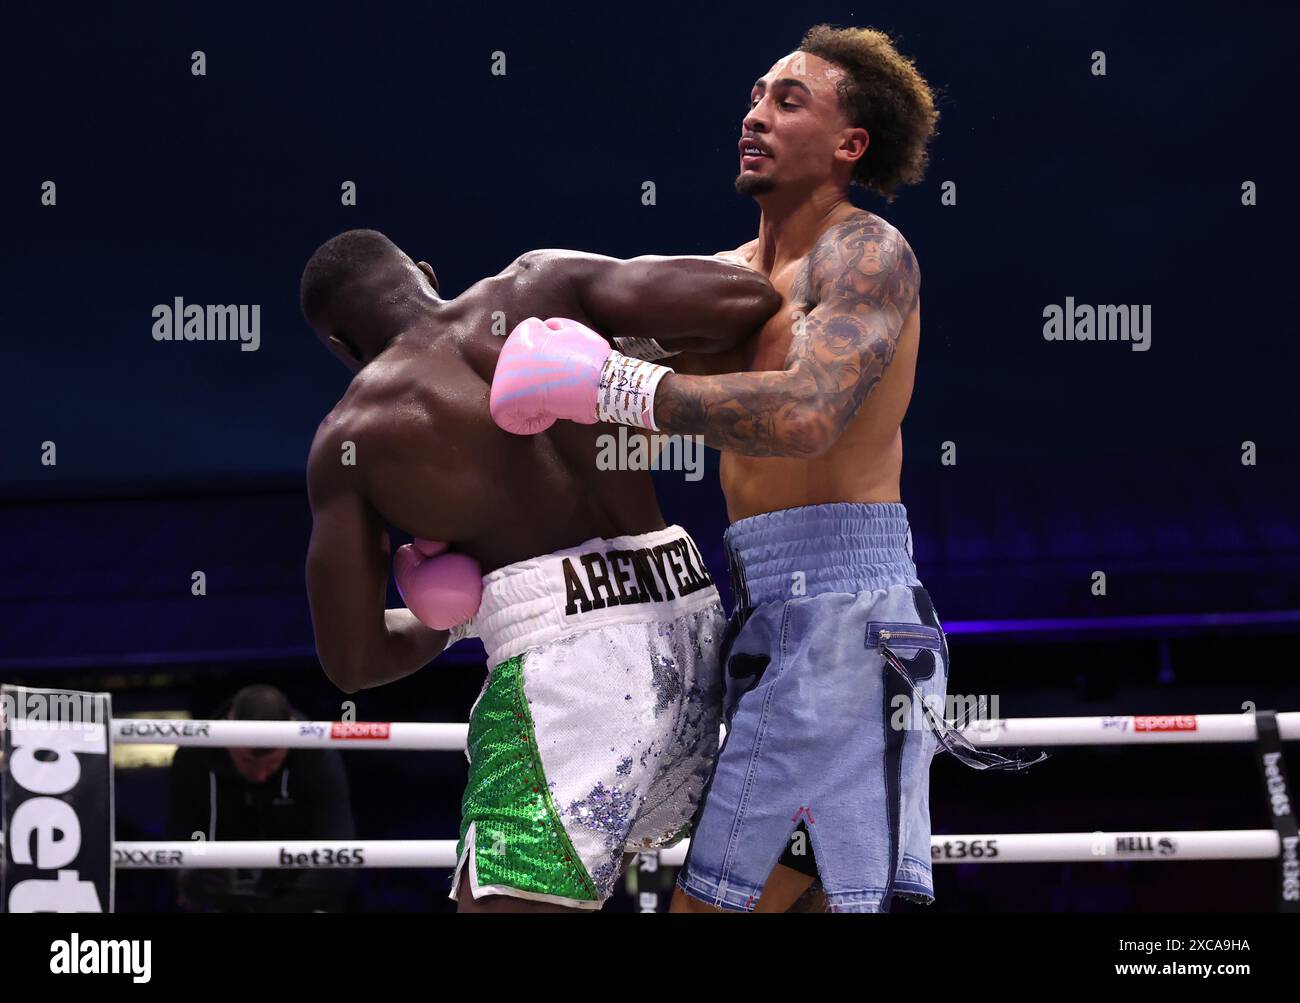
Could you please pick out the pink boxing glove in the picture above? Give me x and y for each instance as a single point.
(442, 589)
(547, 370)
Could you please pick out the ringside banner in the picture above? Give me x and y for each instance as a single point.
(56, 798)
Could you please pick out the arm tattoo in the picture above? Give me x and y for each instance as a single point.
(859, 285)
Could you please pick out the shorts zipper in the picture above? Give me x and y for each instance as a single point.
(885, 635)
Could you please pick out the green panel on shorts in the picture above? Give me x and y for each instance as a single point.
(519, 839)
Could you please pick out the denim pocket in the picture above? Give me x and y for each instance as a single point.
(914, 655)
(885, 637)
(904, 635)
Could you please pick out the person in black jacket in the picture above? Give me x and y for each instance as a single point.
(260, 794)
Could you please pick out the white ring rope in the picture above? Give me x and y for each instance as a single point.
(1008, 848)
(1001, 848)
(291, 734)
(1111, 730)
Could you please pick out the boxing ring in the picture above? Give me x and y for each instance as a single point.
(981, 848)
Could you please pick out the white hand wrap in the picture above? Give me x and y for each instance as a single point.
(627, 391)
(643, 348)
(461, 631)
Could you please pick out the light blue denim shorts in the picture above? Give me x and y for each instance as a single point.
(834, 639)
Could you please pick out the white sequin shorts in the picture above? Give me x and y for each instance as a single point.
(598, 725)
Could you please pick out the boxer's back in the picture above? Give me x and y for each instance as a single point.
(430, 461)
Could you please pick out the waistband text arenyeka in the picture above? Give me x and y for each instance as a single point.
(606, 578)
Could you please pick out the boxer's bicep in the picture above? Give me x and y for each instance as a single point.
(839, 356)
(864, 282)
(698, 303)
(347, 581)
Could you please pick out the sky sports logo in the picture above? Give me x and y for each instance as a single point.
(102, 957)
(359, 729)
(1165, 722)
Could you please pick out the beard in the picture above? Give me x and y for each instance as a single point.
(754, 184)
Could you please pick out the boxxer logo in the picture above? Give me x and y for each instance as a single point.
(165, 729)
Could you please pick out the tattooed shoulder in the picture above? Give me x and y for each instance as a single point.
(864, 259)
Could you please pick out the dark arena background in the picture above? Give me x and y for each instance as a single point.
(1107, 529)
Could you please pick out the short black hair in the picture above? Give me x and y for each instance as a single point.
(260, 703)
(340, 258)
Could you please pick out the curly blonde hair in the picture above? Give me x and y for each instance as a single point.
(883, 93)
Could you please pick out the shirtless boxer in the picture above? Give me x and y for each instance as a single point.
(598, 723)
(833, 625)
